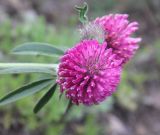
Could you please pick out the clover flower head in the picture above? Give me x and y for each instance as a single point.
(118, 32)
(88, 73)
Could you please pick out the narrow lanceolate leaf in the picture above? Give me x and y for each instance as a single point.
(35, 48)
(44, 100)
(26, 90)
(16, 68)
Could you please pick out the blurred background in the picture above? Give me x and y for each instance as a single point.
(133, 110)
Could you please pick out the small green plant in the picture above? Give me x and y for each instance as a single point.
(87, 73)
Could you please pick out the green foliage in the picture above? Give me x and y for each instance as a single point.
(126, 95)
(17, 68)
(41, 103)
(91, 127)
(37, 49)
(26, 90)
(24, 33)
(83, 13)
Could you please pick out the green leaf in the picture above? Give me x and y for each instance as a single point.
(35, 48)
(83, 13)
(16, 68)
(26, 90)
(44, 100)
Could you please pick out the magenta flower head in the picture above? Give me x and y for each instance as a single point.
(88, 73)
(118, 31)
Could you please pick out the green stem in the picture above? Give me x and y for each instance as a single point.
(63, 118)
(4, 65)
(10, 65)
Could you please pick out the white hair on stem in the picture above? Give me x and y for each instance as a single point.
(92, 31)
